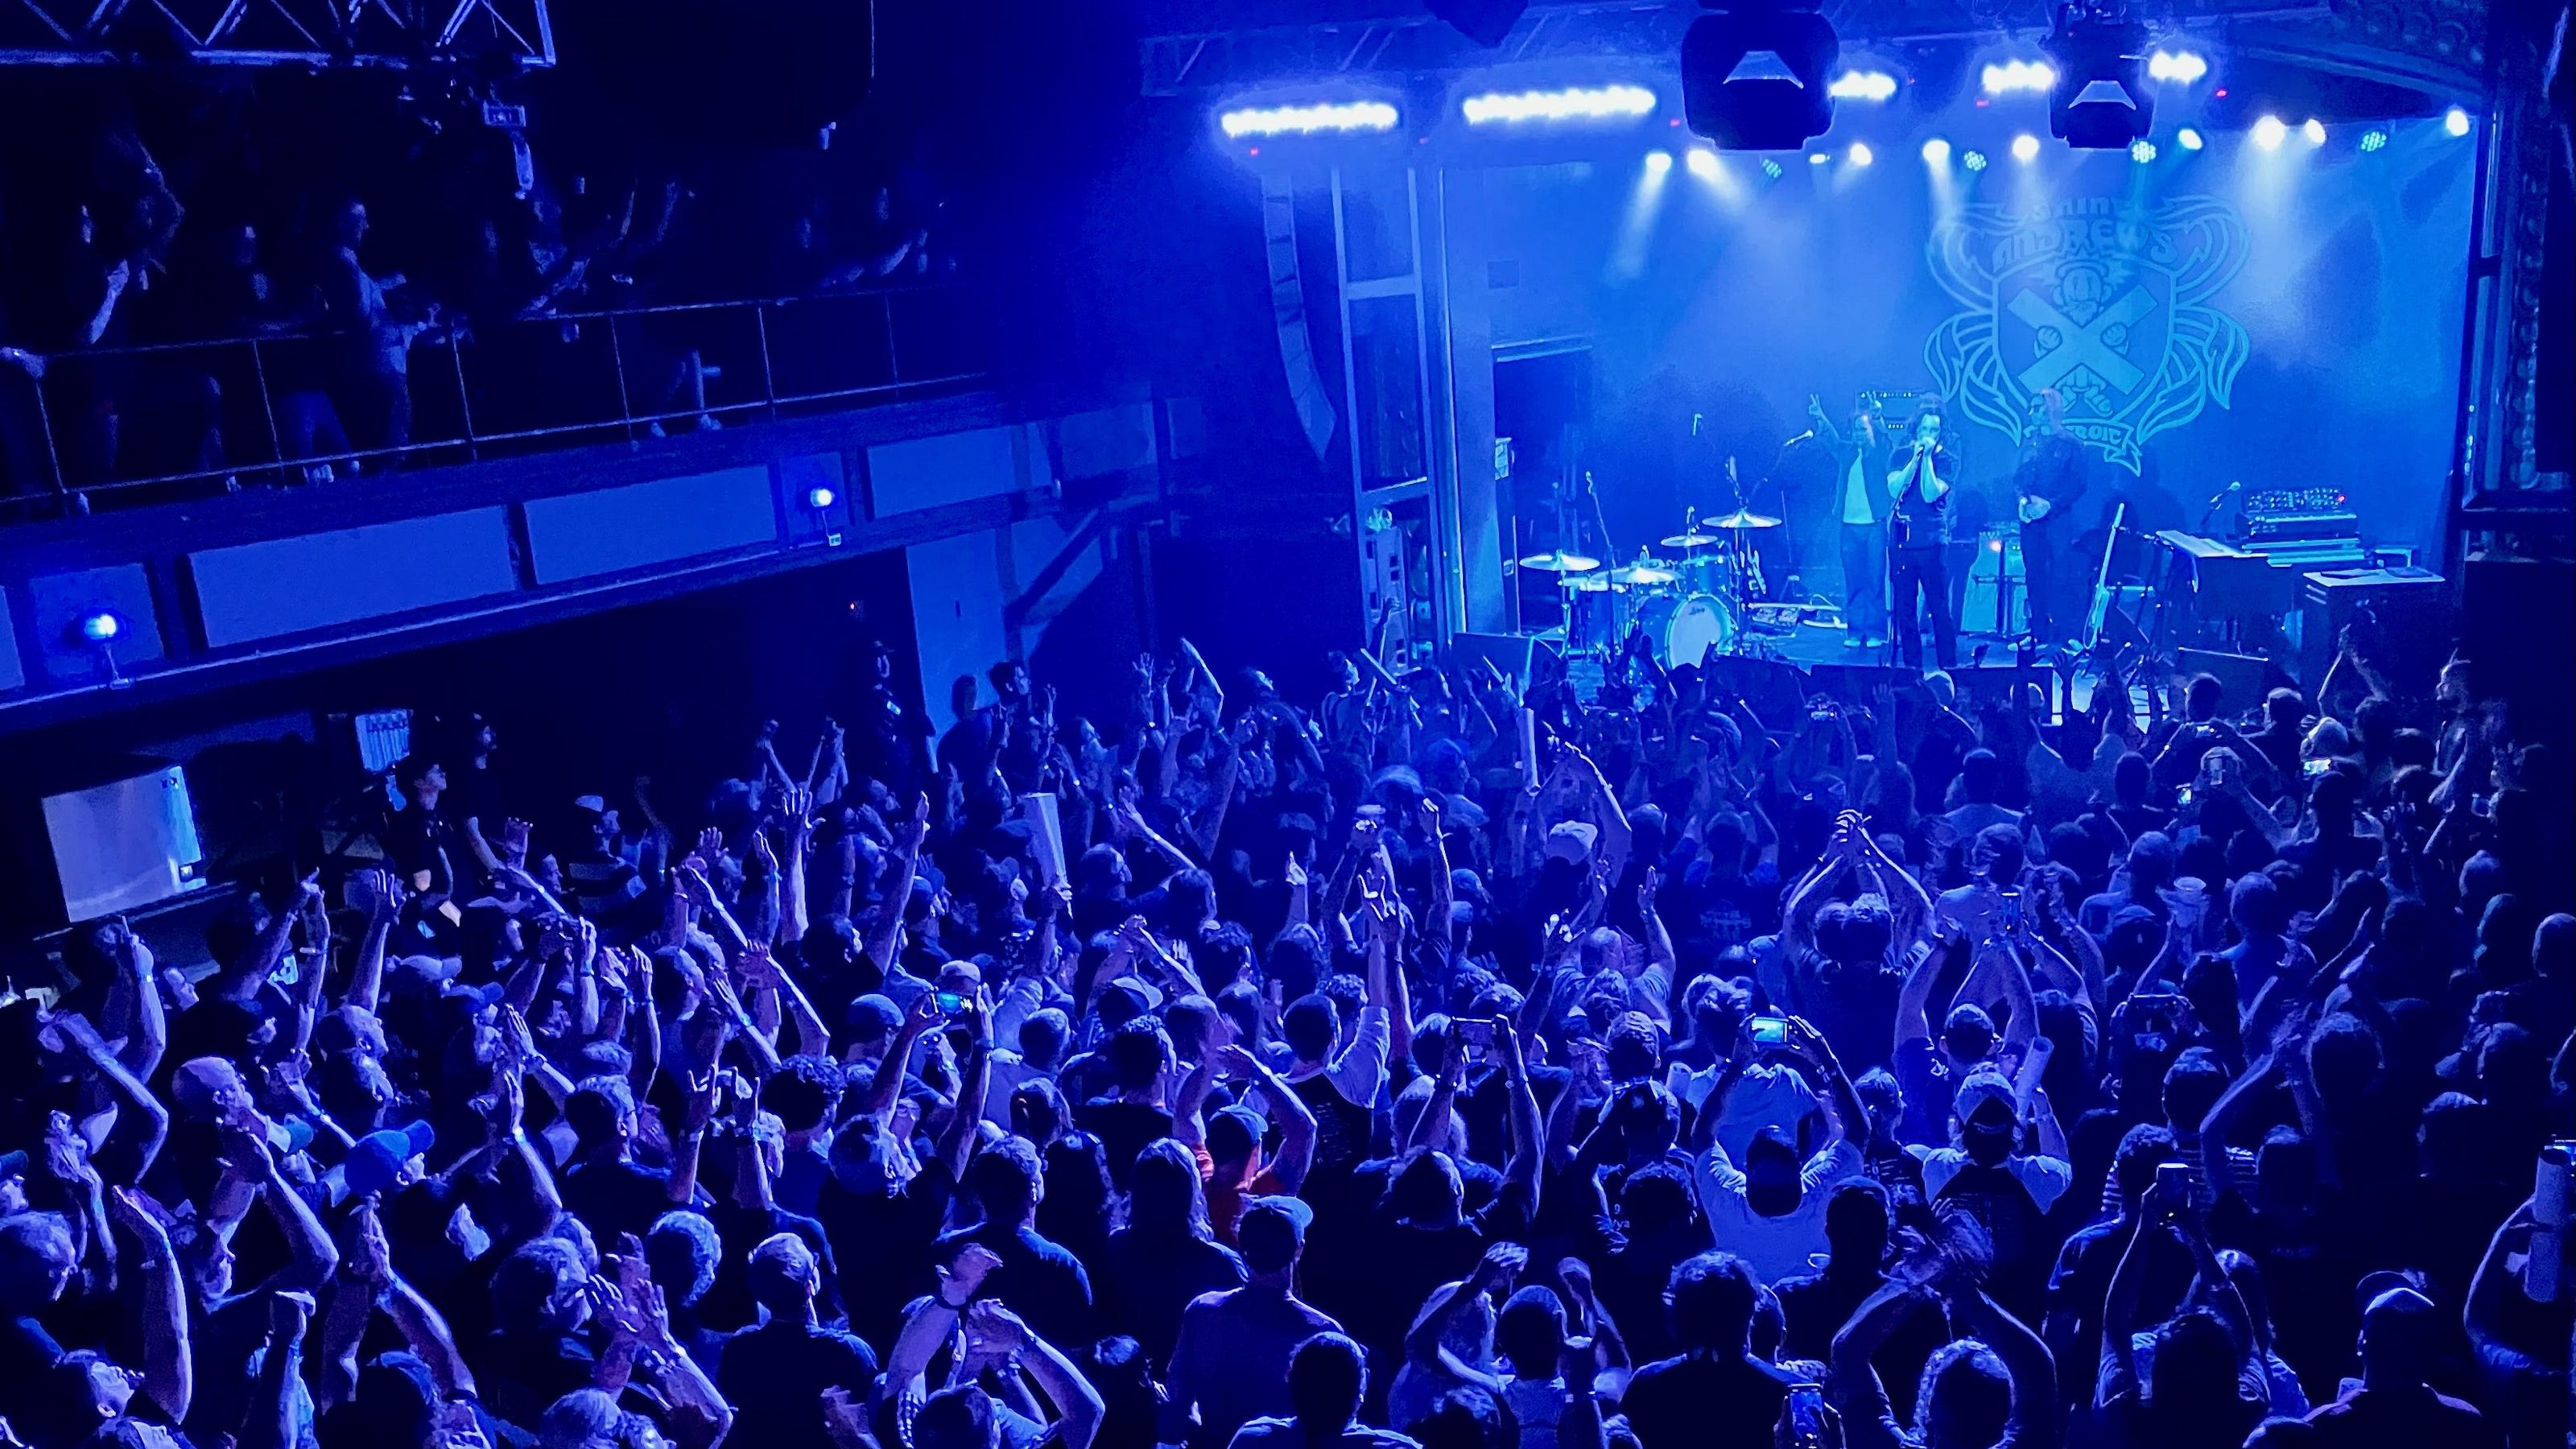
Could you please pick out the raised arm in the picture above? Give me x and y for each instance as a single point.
(168, 1372)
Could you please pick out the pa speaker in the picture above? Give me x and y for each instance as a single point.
(1485, 22)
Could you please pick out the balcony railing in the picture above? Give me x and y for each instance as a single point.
(125, 426)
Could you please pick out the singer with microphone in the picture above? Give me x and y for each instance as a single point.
(1860, 458)
(1920, 480)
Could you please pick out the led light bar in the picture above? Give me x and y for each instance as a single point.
(2019, 75)
(2181, 67)
(1862, 85)
(1307, 120)
(1580, 103)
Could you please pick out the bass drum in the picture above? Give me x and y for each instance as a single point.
(1688, 628)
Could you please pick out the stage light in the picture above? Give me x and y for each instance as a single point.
(2188, 139)
(101, 627)
(1816, 158)
(2372, 140)
(1595, 103)
(2180, 67)
(2269, 133)
(820, 497)
(2018, 75)
(1307, 120)
(2025, 147)
(1756, 78)
(1770, 168)
(2455, 121)
(2101, 101)
(1974, 160)
(1860, 154)
(1658, 162)
(2314, 130)
(1702, 163)
(1937, 151)
(1863, 85)
(2142, 152)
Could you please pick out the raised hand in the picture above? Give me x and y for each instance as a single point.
(514, 841)
(1500, 1268)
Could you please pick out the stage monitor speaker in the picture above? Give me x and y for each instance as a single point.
(1485, 22)
(2243, 679)
(2402, 616)
(1513, 654)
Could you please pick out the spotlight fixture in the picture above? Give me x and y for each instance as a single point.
(2188, 139)
(1307, 120)
(2101, 101)
(2142, 152)
(2025, 148)
(2018, 75)
(2455, 122)
(1974, 160)
(1862, 85)
(2176, 67)
(1817, 158)
(1937, 151)
(820, 497)
(101, 627)
(1593, 103)
(1860, 154)
(2373, 139)
(2314, 131)
(1658, 162)
(1702, 162)
(2269, 133)
(1755, 77)
(1770, 168)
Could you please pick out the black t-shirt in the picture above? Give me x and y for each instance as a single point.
(1154, 1276)
(617, 1197)
(1682, 1403)
(728, 1304)
(1124, 1129)
(881, 1235)
(775, 1375)
(520, 1374)
(1038, 1280)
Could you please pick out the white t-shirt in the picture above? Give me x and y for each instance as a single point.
(2044, 1178)
(1778, 1247)
(1856, 491)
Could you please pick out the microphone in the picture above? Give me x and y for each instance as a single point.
(1802, 437)
(1695, 417)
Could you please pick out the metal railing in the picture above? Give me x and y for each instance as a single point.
(125, 426)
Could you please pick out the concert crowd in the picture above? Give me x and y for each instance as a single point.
(1445, 1061)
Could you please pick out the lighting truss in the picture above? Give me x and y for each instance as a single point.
(388, 33)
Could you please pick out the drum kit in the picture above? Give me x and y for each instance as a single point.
(1691, 603)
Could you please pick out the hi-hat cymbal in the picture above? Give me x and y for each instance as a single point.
(1742, 518)
(1694, 539)
(1641, 573)
(1561, 562)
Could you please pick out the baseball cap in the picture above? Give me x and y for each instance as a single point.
(1233, 1132)
(1981, 1091)
(1571, 841)
(874, 1017)
(1272, 1231)
(375, 1163)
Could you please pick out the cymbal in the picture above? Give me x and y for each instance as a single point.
(1641, 573)
(1742, 518)
(1561, 562)
(1695, 539)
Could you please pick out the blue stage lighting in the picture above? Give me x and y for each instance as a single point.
(1862, 85)
(2455, 121)
(2179, 67)
(1937, 151)
(2188, 139)
(1974, 160)
(2019, 76)
(2373, 139)
(1577, 104)
(1307, 120)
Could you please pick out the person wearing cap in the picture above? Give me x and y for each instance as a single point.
(1230, 1140)
(1929, 1072)
(2395, 1404)
(1770, 1210)
(1232, 1361)
(2006, 1183)
(605, 884)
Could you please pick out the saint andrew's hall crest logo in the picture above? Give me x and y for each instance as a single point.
(2105, 300)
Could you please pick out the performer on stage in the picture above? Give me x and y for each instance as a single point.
(2049, 479)
(1859, 457)
(1919, 485)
